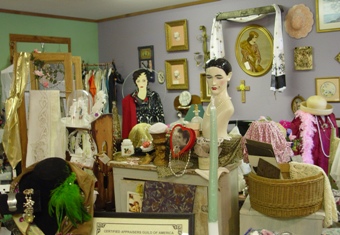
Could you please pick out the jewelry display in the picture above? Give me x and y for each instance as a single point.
(12, 202)
(28, 215)
(323, 126)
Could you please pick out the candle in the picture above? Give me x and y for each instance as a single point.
(213, 176)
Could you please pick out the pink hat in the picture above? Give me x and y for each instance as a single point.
(299, 21)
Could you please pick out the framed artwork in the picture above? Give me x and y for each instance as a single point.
(296, 101)
(106, 223)
(146, 60)
(177, 74)
(205, 91)
(328, 88)
(303, 58)
(176, 35)
(327, 15)
(254, 50)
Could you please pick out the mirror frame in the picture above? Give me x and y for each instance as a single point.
(15, 38)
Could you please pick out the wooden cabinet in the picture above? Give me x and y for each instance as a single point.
(129, 177)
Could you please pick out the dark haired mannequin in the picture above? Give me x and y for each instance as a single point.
(141, 106)
(218, 74)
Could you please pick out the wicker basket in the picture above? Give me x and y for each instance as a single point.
(286, 198)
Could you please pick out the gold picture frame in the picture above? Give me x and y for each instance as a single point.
(177, 74)
(263, 51)
(176, 35)
(303, 58)
(205, 91)
(328, 88)
(327, 13)
(296, 101)
(337, 57)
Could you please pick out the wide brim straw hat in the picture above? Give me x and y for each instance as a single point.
(299, 21)
(316, 105)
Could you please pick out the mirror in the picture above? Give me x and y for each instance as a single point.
(21, 42)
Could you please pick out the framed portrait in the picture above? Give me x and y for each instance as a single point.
(254, 50)
(177, 74)
(296, 101)
(176, 35)
(105, 223)
(146, 60)
(328, 88)
(327, 15)
(205, 91)
(303, 58)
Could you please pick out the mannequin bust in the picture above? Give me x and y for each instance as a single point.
(218, 74)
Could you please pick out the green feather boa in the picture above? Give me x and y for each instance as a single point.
(66, 200)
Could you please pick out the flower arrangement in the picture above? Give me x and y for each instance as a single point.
(296, 143)
(45, 73)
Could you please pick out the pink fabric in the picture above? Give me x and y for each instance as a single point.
(312, 145)
(269, 132)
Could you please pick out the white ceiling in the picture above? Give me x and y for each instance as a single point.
(92, 10)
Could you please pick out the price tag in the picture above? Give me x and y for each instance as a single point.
(104, 158)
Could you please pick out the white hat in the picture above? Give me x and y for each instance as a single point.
(299, 21)
(316, 105)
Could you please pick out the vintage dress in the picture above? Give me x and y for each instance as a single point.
(135, 110)
(319, 151)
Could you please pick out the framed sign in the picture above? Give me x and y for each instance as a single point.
(177, 74)
(327, 15)
(176, 35)
(146, 60)
(205, 91)
(105, 223)
(328, 88)
(254, 50)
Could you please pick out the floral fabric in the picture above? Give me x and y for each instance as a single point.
(269, 132)
(168, 197)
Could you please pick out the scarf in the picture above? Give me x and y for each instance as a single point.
(278, 78)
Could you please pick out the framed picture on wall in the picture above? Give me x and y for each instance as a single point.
(146, 60)
(205, 91)
(303, 58)
(176, 35)
(327, 15)
(328, 87)
(254, 50)
(177, 74)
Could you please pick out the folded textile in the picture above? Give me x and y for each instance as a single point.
(301, 170)
(168, 197)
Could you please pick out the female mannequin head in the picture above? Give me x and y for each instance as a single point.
(218, 74)
(141, 78)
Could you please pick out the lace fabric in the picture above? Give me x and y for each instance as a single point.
(46, 133)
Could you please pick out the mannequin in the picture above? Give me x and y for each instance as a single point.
(141, 106)
(312, 126)
(218, 74)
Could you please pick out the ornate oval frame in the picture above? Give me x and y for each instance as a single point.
(265, 47)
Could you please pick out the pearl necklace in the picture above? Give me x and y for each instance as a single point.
(208, 109)
(323, 127)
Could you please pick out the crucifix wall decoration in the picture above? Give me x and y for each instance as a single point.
(243, 88)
